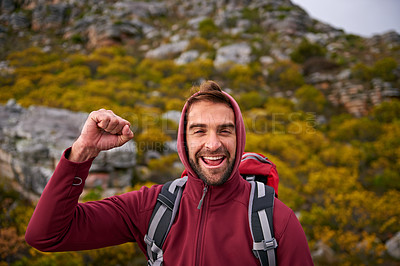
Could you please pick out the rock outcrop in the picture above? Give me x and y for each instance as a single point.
(393, 246)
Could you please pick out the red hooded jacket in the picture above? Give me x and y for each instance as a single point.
(217, 234)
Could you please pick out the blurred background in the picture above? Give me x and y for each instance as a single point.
(319, 98)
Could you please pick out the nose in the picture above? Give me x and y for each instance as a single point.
(213, 142)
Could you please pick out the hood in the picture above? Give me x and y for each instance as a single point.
(240, 138)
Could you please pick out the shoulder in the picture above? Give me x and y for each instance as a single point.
(283, 217)
(292, 242)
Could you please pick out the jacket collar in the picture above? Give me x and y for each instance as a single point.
(217, 195)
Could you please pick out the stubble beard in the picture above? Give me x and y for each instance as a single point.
(204, 176)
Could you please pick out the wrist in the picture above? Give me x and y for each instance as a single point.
(80, 152)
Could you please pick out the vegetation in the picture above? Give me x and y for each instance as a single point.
(342, 177)
(307, 50)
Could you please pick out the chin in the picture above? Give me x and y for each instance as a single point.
(213, 180)
(217, 178)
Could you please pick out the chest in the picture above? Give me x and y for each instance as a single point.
(211, 235)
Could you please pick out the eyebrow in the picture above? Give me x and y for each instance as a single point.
(199, 125)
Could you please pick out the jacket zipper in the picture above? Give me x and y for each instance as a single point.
(201, 226)
(202, 197)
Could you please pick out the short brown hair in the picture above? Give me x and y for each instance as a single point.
(208, 91)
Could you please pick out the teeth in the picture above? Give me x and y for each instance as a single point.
(212, 158)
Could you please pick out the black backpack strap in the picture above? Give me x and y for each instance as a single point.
(261, 205)
(162, 218)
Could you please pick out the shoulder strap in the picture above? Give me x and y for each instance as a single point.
(162, 218)
(261, 206)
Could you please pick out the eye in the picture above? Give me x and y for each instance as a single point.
(198, 131)
(226, 131)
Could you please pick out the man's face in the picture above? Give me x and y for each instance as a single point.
(211, 141)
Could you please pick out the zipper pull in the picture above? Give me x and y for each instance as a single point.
(202, 197)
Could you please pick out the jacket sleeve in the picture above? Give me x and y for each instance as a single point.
(60, 223)
(292, 242)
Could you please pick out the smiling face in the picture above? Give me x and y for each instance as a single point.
(211, 141)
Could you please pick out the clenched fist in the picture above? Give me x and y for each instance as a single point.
(103, 130)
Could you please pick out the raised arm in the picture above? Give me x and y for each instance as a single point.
(59, 223)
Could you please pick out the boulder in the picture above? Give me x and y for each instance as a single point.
(142, 9)
(390, 37)
(19, 21)
(323, 254)
(7, 6)
(238, 53)
(187, 57)
(393, 246)
(167, 50)
(52, 16)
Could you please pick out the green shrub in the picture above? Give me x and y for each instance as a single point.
(200, 44)
(362, 72)
(310, 99)
(387, 112)
(250, 100)
(306, 50)
(207, 28)
(385, 68)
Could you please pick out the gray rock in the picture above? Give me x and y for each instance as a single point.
(7, 6)
(9, 115)
(344, 74)
(49, 124)
(2, 30)
(266, 60)
(323, 254)
(187, 57)
(390, 37)
(239, 53)
(122, 157)
(147, 30)
(5, 69)
(173, 116)
(167, 50)
(317, 77)
(194, 22)
(142, 9)
(19, 21)
(393, 246)
(100, 34)
(151, 155)
(50, 16)
(279, 54)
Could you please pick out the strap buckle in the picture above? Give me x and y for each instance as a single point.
(251, 178)
(265, 245)
(149, 241)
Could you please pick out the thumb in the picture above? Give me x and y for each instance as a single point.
(126, 135)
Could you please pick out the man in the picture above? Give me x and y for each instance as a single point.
(212, 226)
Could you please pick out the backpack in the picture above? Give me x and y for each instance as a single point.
(260, 173)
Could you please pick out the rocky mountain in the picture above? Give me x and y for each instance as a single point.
(239, 31)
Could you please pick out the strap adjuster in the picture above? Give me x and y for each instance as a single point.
(251, 178)
(148, 240)
(265, 245)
